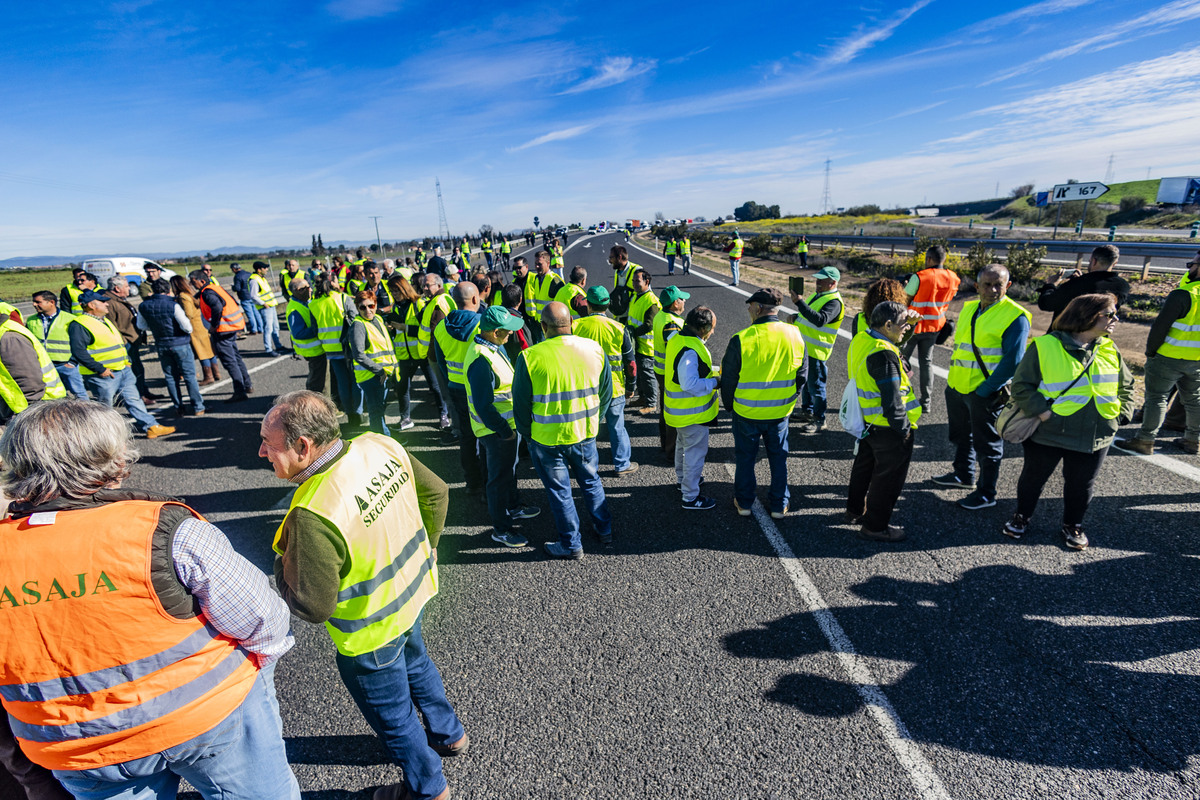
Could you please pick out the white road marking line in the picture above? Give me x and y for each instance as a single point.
(1180, 468)
(924, 779)
(223, 381)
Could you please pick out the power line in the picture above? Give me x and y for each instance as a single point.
(443, 226)
(826, 204)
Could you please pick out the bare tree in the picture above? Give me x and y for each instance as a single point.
(1022, 190)
(659, 216)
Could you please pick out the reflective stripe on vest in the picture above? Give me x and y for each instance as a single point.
(263, 296)
(379, 349)
(988, 332)
(74, 292)
(681, 409)
(502, 380)
(669, 248)
(368, 496)
(145, 683)
(936, 289)
(232, 318)
(772, 352)
(329, 314)
(565, 373)
(308, 348)
(568, 293)
(56, 340)
(642, 310)
(1183, 339)
(454, 353)
(107, 346)
(660, 338)
(542, 286)
(425, 335)
(1059, 368)
(610, 335)
(738, 247)
(10, 390)
(405, 339)
(870, 400)
(685, 247)
(819, 341)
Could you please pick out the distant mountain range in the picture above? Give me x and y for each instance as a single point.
(236, 250)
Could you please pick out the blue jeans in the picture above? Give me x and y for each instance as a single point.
(774, 433)
(812, 396)
(269, 321)
(735, 269)
(374, 400)
(671, 264)
(72, 379)
(178, 363)
(390, 685)
(501, 487)
(121, 383)
(253, 320)
(243, 758)
(555, 465)
(618, 437)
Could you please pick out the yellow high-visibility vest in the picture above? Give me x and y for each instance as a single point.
(681, 409)
(987, 333)
(565, 375)
(772, 352)
(869, 397)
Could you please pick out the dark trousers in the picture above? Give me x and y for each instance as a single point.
(318, 366)
(666, 434)
(134, 351)
(647, 386)
(1079, 478)
(923, 343)
(226, 347)
(408, 370)
(878, 475)
(501, 457)
(973, 433)
(37, 781)
(468, 446)
(812, 395)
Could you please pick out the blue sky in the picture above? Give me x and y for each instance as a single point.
(149, 126)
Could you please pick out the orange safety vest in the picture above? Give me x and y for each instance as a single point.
(937, 288)
(93, 670)
(232, 318)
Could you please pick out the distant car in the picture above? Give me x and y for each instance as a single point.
(132, 269)
(592, 230)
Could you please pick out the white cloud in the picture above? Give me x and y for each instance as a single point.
(353, 10)
(1043, 9)
(613, 71)
(554, 136)
(848, 49)
(386, 191)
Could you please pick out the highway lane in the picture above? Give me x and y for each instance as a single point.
(683, 661)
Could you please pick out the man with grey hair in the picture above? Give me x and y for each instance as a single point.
(890, 411)
(356, 551)
(990, 341)
(124, 316)
(161, 619)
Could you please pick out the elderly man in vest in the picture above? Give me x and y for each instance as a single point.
(691, 402)
(561, 388)
(1173, 361)
(97, 347)
(356, 551)
(890, 411)
(990, 340)
(762, 371)
(162, 316)
(306, 336)
(225, 320)
(489, 397)
(50, 327)
(929, 294)
(667, 322)
(138, 624)
(617, 344)
(819, 319)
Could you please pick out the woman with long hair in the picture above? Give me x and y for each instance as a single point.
(405, 322)
(201, 343)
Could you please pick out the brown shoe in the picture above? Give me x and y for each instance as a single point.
(155, 431)
(894, 533)
(208, 377)
(452, 749)
(1186, 446)
(1143, 446)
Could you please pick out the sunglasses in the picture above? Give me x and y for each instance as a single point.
(1110, 315)
(365, 306)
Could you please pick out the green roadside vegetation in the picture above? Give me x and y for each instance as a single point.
(1129, 204)
(824, 224)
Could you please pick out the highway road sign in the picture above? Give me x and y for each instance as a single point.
(1077, 191)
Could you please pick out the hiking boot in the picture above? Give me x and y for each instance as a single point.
(1015, 527)
(155, 431)
(977, 500)
(700, 503)
(632, 468)
(452, 749)
(1186, 445)
(1074, 537)
(952, 480)
(1143, 446)
(894, 533)
(556, 550)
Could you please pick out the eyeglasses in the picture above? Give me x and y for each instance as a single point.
(1110, 314)
(365, 306)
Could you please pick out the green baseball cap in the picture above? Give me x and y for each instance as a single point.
(829, 273)
(598, 296)
(500, 318)
(671, 294)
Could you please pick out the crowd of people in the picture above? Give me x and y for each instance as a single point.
(519, 364)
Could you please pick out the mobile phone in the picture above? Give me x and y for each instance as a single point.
(796, 284)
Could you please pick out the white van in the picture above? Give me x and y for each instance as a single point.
(131, 268)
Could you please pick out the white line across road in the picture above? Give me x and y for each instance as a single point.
(221, 383)
(1180, 468)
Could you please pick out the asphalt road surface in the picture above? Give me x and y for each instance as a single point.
(703, 654)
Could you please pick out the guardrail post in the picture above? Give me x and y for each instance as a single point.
(993, 231)
(893, 253)
(912, 232)
(970, 223)
(1112, 232)
(1010, 223)
(1195, 229)
(1145, 267)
